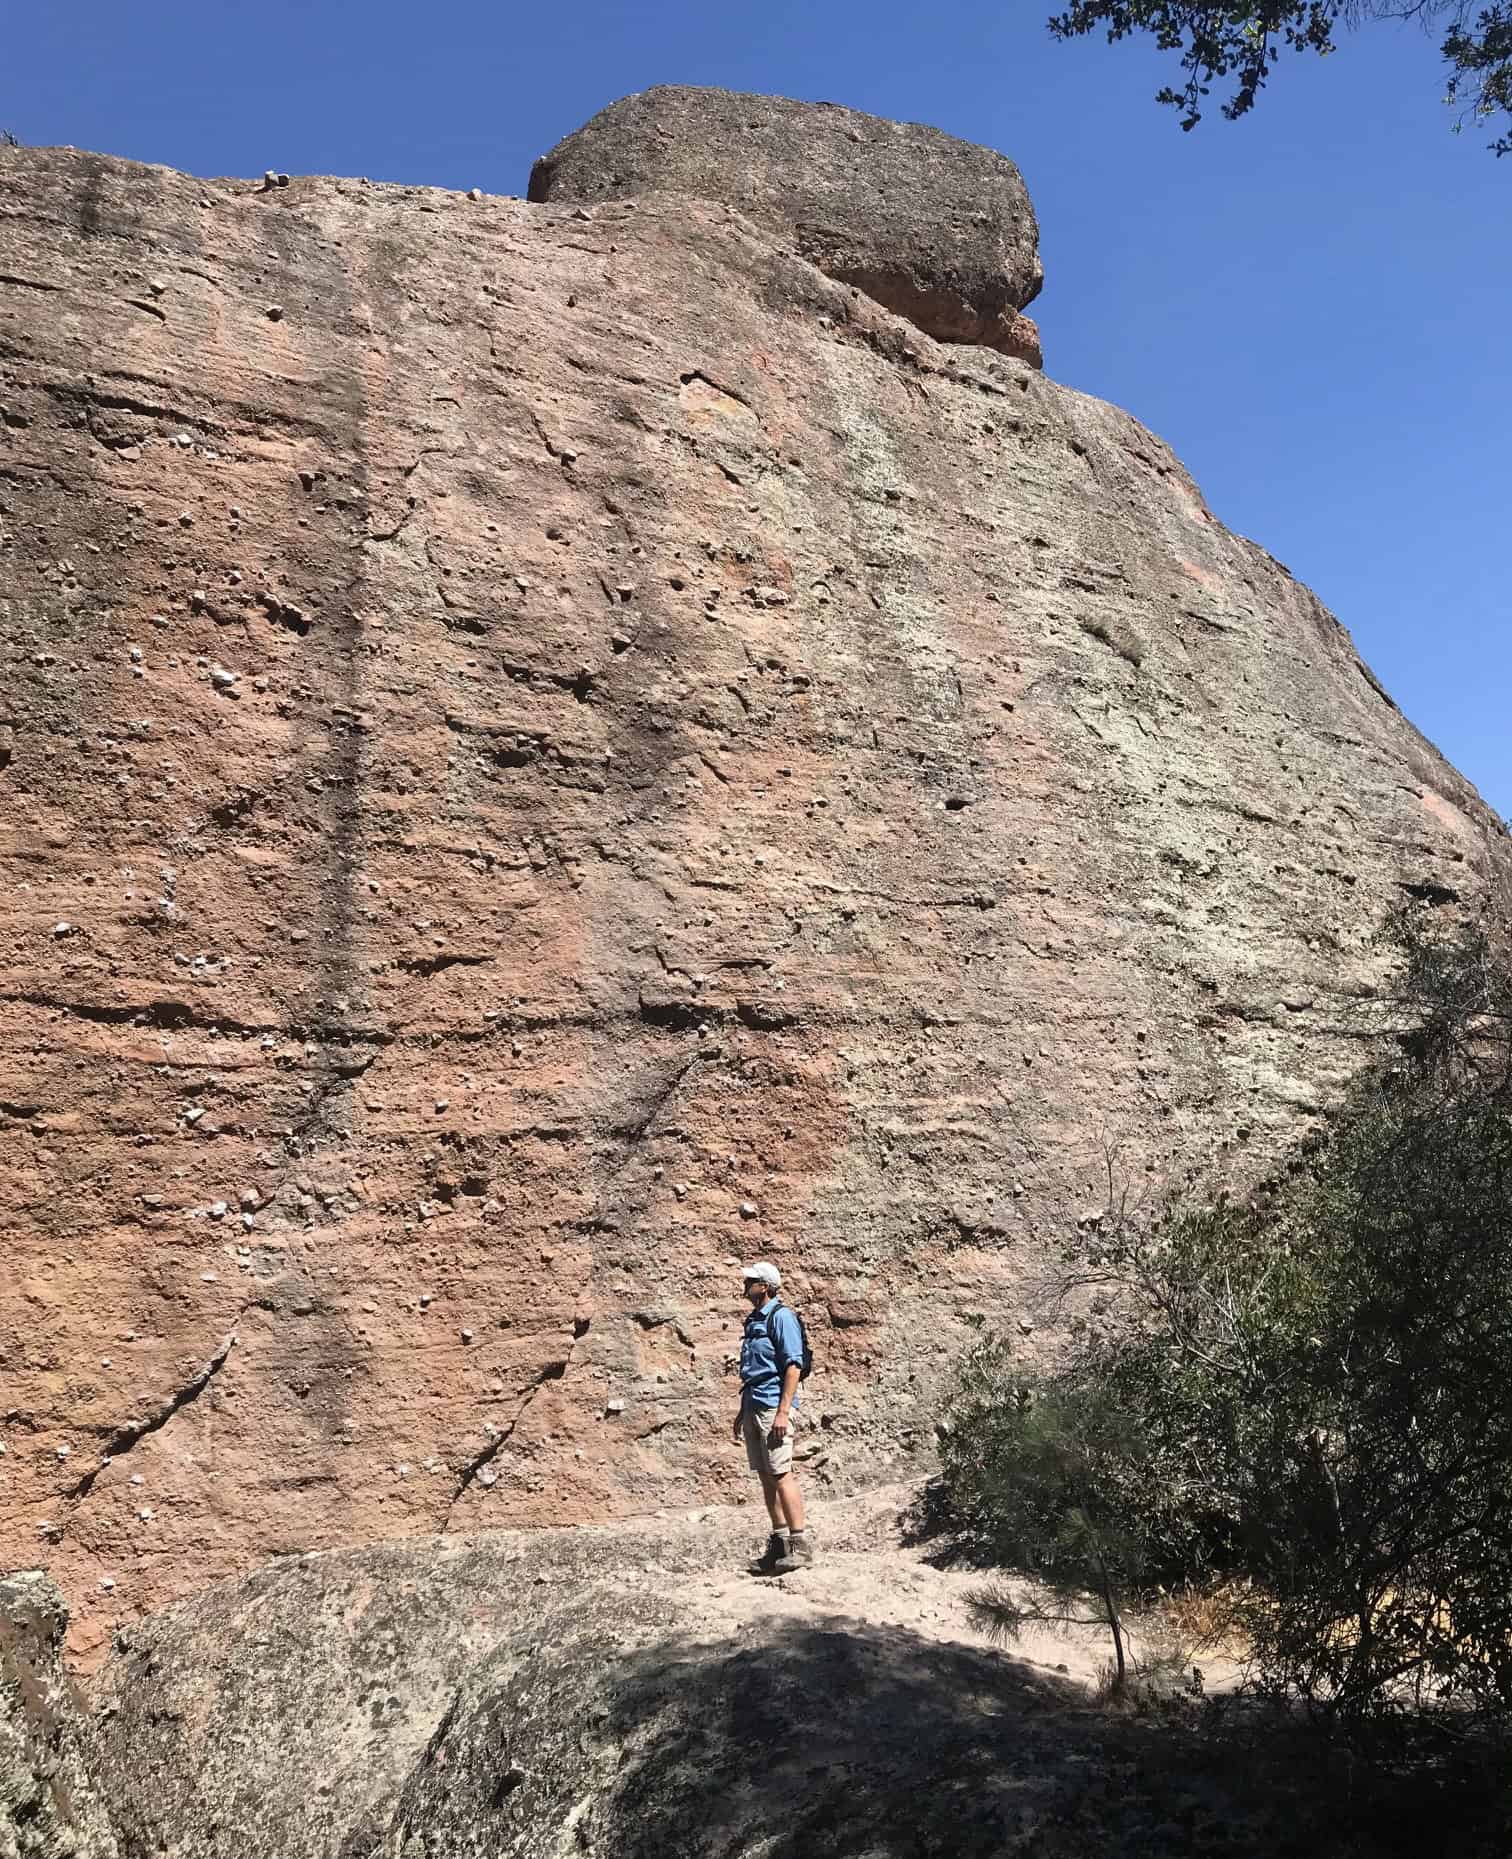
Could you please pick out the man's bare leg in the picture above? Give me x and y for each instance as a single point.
(786, 1503)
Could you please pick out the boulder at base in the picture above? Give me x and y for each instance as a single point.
(632, 1692)
(48, 1808)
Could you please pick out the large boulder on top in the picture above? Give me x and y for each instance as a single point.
(938, 230)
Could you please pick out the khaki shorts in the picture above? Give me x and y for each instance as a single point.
(773, 1460)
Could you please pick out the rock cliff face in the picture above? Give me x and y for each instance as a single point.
(548, 747)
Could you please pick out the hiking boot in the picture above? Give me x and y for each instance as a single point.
(776, 1549)
(800, 1553)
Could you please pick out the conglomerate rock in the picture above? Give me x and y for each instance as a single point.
(551, 748)
(938, 230)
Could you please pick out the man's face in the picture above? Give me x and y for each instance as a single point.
(757, 1292)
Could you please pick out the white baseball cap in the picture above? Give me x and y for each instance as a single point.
(761, 1273)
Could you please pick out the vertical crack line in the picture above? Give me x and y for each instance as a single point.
(134, 1432)
(553, 1371)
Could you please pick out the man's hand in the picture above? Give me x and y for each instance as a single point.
(779, 1429)
(739, 1419)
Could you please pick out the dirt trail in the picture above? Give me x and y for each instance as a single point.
(891, 1587)
(872, 1572)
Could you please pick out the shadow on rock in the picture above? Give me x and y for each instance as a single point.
(852, 1741)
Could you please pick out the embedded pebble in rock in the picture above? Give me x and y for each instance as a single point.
(500, 771)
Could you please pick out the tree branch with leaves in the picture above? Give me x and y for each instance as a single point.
(1239, 47)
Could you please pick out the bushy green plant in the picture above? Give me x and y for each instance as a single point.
(1051, 1475)
(1312, 1392)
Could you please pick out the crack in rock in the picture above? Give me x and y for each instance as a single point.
(553, 1371)
(427, 965)
(134, 1432)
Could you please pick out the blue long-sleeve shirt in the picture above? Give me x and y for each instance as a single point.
(761, 1366)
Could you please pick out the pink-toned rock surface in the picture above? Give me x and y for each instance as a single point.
(551, 749)
(1020, 341)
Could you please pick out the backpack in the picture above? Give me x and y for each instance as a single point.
(806, 1359)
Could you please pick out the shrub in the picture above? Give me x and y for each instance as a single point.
(1312, 1392)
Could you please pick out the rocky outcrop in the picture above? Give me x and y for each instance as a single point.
(629, 1691)
(937, 230)
(371, 1653)
(48, 1805)
(624, 1691)
(551, 747)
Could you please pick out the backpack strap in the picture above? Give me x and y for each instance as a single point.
(771, 1330)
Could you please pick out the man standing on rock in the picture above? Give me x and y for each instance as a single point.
(771, 1366)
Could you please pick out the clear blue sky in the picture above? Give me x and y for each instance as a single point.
(1314, 306)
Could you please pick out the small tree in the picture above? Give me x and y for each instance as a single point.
(1401, 1580)
(1058, 1476)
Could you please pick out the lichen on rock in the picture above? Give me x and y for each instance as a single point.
(48, 1805)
